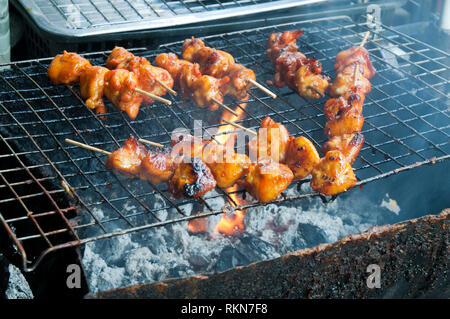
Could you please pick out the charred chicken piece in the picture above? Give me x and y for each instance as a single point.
(191, 47)
(157, 167)
(226, 165)
(192, 178)
(352, 56)
(121, 58)
(352, 98)
(66, 68)
(239, 82)
(292, 68)
(172, 64)
(266, 179)
(309, 81)
(128, 158)
(345, 81)
(347, 121)
(206, 89)
(282, 42)
(215, 63)
(286, 66)
(333, 174)
(92, 82)
(202, 89)
(348, 144)
(271, 141)
(120, 88)
(301, 157)
(146, 73)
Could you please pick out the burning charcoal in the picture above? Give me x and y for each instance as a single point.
(309, 236)
(178, 271)
(230, 257)
(255, 248)
(198, 262)
(18, 287)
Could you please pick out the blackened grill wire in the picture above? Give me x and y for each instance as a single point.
(239, 44)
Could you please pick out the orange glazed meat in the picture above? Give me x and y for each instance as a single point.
(309, 80)
(239, 82)
(157, 167)
(266, 179)
(333, 174)
(172, 64)
(92, 82)
(212, 62)
(282, 42)
(355, 55)
(348, 144)
(127, 159)
(119, 89)
(352, 98)
(271, 141)
(345, 81)
(146, 73)
(226, 165)
(301, 157)
(66, 68)
(192, 179)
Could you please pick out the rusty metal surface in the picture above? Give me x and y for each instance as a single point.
(413, 256)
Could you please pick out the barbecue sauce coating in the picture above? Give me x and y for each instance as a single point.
(309, 81)
(352, 98)
(239, 82)
(66, 68)
(219, 64)
(157, 167)
(352, 56)
(292, 68)
(146, 73)
(226, 165)
(192, 179)
(301, 157)
(202, 89)
(267, 179)
(120, 88)
(346, 122)
(212, 62)
(127, 159)
(92, 82)
(282, 42)
(348, 144)
(333, 174)
(271, 141)
(345, 81)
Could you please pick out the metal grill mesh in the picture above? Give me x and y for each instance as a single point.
(406, 125)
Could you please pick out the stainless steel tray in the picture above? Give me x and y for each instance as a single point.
(84, 18)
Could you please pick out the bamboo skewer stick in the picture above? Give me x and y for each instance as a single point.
(355, 77)
(240, 127)
(363, 42)
(166, 87)
(263, 88)
(153, 96)
(150, 142)
(87, 147)
(225, 107)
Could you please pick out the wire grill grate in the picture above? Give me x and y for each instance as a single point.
(406, 125)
